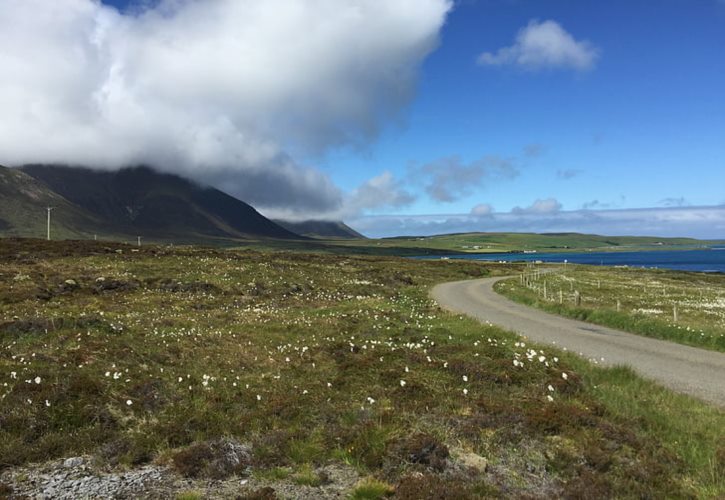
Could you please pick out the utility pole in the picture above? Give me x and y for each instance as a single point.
(139, 240)
(49, 209)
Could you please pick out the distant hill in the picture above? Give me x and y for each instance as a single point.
(132, 201)
(321, 229)
(513, 242)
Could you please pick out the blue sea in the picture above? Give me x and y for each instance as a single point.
(710, 260)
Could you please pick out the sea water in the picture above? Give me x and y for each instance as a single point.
(711, 260)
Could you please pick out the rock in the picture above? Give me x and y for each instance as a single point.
(216, 459)
(72, 462)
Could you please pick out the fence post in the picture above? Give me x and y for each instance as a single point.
(577, 298)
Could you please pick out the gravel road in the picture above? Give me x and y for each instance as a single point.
(685, 369)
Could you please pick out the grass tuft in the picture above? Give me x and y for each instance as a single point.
(371, 489)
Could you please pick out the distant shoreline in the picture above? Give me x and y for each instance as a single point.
(703, 260)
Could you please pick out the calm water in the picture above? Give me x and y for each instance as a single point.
(705, 260)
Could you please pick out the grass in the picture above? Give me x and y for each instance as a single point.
(307, 476)
(371, 489)
(317, 359)
(642, 301)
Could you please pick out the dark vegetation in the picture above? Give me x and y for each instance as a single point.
(237, 362)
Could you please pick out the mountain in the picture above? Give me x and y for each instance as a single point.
(23, 209)
(321, 229)
(141, 201)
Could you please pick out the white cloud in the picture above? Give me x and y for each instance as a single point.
(379, 193)
(547, 206)
(482, 210)
(209, 89)
(544, 45)
(450, 178)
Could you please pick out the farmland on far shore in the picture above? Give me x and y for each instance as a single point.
(521, 242)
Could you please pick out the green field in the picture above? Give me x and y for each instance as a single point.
(683, 307)
(314, 361)
(519, 242)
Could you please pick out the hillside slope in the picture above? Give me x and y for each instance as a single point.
(323, 229)
(141, 201)
(23, 203)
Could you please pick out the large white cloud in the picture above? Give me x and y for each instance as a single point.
(210, 88)
(544, 45)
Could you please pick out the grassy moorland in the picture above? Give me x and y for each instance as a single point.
(683, 307)
(139, 356)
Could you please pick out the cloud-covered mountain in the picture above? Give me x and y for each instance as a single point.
(236, 94)
(130, 201)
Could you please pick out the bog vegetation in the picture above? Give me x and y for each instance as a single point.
(165, 355)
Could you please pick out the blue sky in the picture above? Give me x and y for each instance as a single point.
(400, 117)
(644, 127)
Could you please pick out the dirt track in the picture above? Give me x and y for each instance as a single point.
(685, 369)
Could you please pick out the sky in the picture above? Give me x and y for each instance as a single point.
(404, 117)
